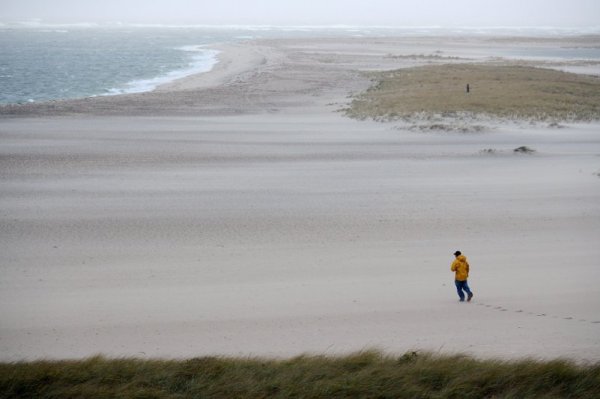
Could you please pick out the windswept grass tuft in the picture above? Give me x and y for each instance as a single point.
(367, 374)
(505, 91)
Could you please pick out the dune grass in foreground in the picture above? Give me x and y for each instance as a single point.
(515, 92)
(362, 375)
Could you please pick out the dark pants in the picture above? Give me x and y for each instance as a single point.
(462, 286)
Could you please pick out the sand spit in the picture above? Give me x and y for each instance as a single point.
(243, 215)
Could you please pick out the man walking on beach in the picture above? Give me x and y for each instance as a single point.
(460, 267)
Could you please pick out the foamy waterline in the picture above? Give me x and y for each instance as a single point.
(202, 62)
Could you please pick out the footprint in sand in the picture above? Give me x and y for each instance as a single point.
(500, 308)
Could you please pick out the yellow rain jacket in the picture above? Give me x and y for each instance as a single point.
(460, 267)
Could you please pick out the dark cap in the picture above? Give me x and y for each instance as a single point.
(457, 253)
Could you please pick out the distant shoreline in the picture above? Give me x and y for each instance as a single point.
(586, 37)
(239, 64)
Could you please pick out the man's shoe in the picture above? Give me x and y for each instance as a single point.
(470, 296)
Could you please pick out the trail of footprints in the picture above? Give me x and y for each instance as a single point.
(503, 309)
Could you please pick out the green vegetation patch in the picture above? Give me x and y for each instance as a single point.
(506, 91)
(362, 375)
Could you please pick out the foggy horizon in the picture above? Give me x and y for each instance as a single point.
(384, 13)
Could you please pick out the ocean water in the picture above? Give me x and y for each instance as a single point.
(47, 62)
(42, 64)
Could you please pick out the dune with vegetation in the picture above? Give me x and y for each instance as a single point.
(504, 91)
(362, 375)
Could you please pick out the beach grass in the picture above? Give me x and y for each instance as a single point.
(368, 374)
(505, 91)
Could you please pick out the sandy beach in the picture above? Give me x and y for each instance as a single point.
(240, 212)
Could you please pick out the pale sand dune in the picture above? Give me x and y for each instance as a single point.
(243, 216)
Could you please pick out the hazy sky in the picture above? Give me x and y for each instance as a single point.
(562, 13)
